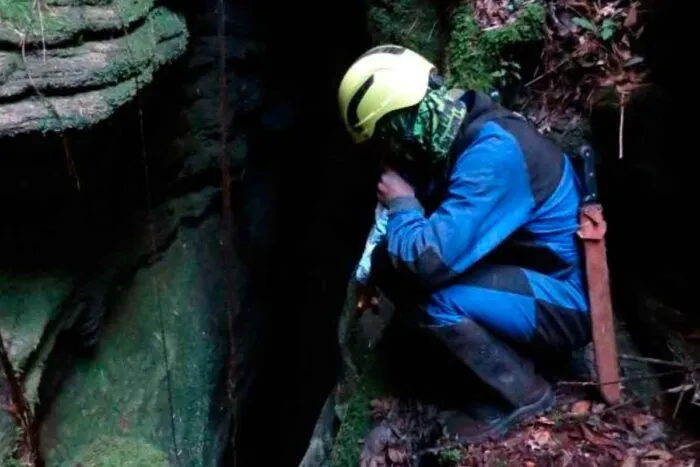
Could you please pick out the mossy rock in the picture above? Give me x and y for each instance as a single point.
(117, 451)
(470, 56)
(476, 58)
(95, 63)
(102, 76)
(57, 25)
(155, 374)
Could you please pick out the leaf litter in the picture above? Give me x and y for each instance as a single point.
(578, 433)
(587, 54)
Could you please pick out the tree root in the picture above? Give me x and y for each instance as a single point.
(19, 408)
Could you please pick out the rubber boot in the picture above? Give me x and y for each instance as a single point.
(513, 391)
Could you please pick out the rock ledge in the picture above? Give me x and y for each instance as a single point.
(55, 81)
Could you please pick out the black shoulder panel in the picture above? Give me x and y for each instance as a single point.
(545, 161)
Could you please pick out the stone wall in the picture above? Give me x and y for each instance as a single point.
(126, 351)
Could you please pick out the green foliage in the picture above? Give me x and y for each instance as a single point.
(605, 30)
(477, 58)
(411, 23)
(450, 457)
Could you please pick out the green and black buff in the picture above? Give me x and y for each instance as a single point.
(433, 126)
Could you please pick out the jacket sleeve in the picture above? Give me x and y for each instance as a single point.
(488, 198)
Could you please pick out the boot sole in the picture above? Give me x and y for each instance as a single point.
(500, 429)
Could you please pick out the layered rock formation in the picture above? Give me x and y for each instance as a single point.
(70, 64)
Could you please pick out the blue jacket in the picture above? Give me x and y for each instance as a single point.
(511, 197)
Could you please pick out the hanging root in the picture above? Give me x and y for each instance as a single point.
(72, 171)
(622, 125)
(38, 6)
(227, 230)
(19, 408)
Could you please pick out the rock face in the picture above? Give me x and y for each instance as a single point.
(111, 297)
(114, 299)
(71, 64)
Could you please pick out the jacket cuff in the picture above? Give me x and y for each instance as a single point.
(404, 203)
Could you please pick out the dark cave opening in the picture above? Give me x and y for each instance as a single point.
(305, 208)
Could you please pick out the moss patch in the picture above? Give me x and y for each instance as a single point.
(411, 23)
(64, 23)
(477, 57)
(474, 57)
(357, 420)
(124, 390)
(115, 451)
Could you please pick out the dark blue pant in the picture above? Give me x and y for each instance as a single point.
(523, 307)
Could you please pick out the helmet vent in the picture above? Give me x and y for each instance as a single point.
(352, 117)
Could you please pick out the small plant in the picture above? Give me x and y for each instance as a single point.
(450, 457)
(604, 31)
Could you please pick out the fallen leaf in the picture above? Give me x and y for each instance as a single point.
(630, 461)
(539, 439)
(598, 440)
(640, 422)
(545, 421)
(397, 455)
(581, 408)
(656, 458)
(607, 11)
(631, 19)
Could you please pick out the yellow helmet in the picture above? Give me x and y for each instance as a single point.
(384, 79)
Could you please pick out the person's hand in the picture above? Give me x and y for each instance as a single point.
(367, 298)
(391, 185)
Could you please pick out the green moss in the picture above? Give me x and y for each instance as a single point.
(65, 23)
(123, 392)
(357, 421)
(140, 50)
(9, 438)
(411, 23)
(20, 15)
(476, 57)
(115, 451)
